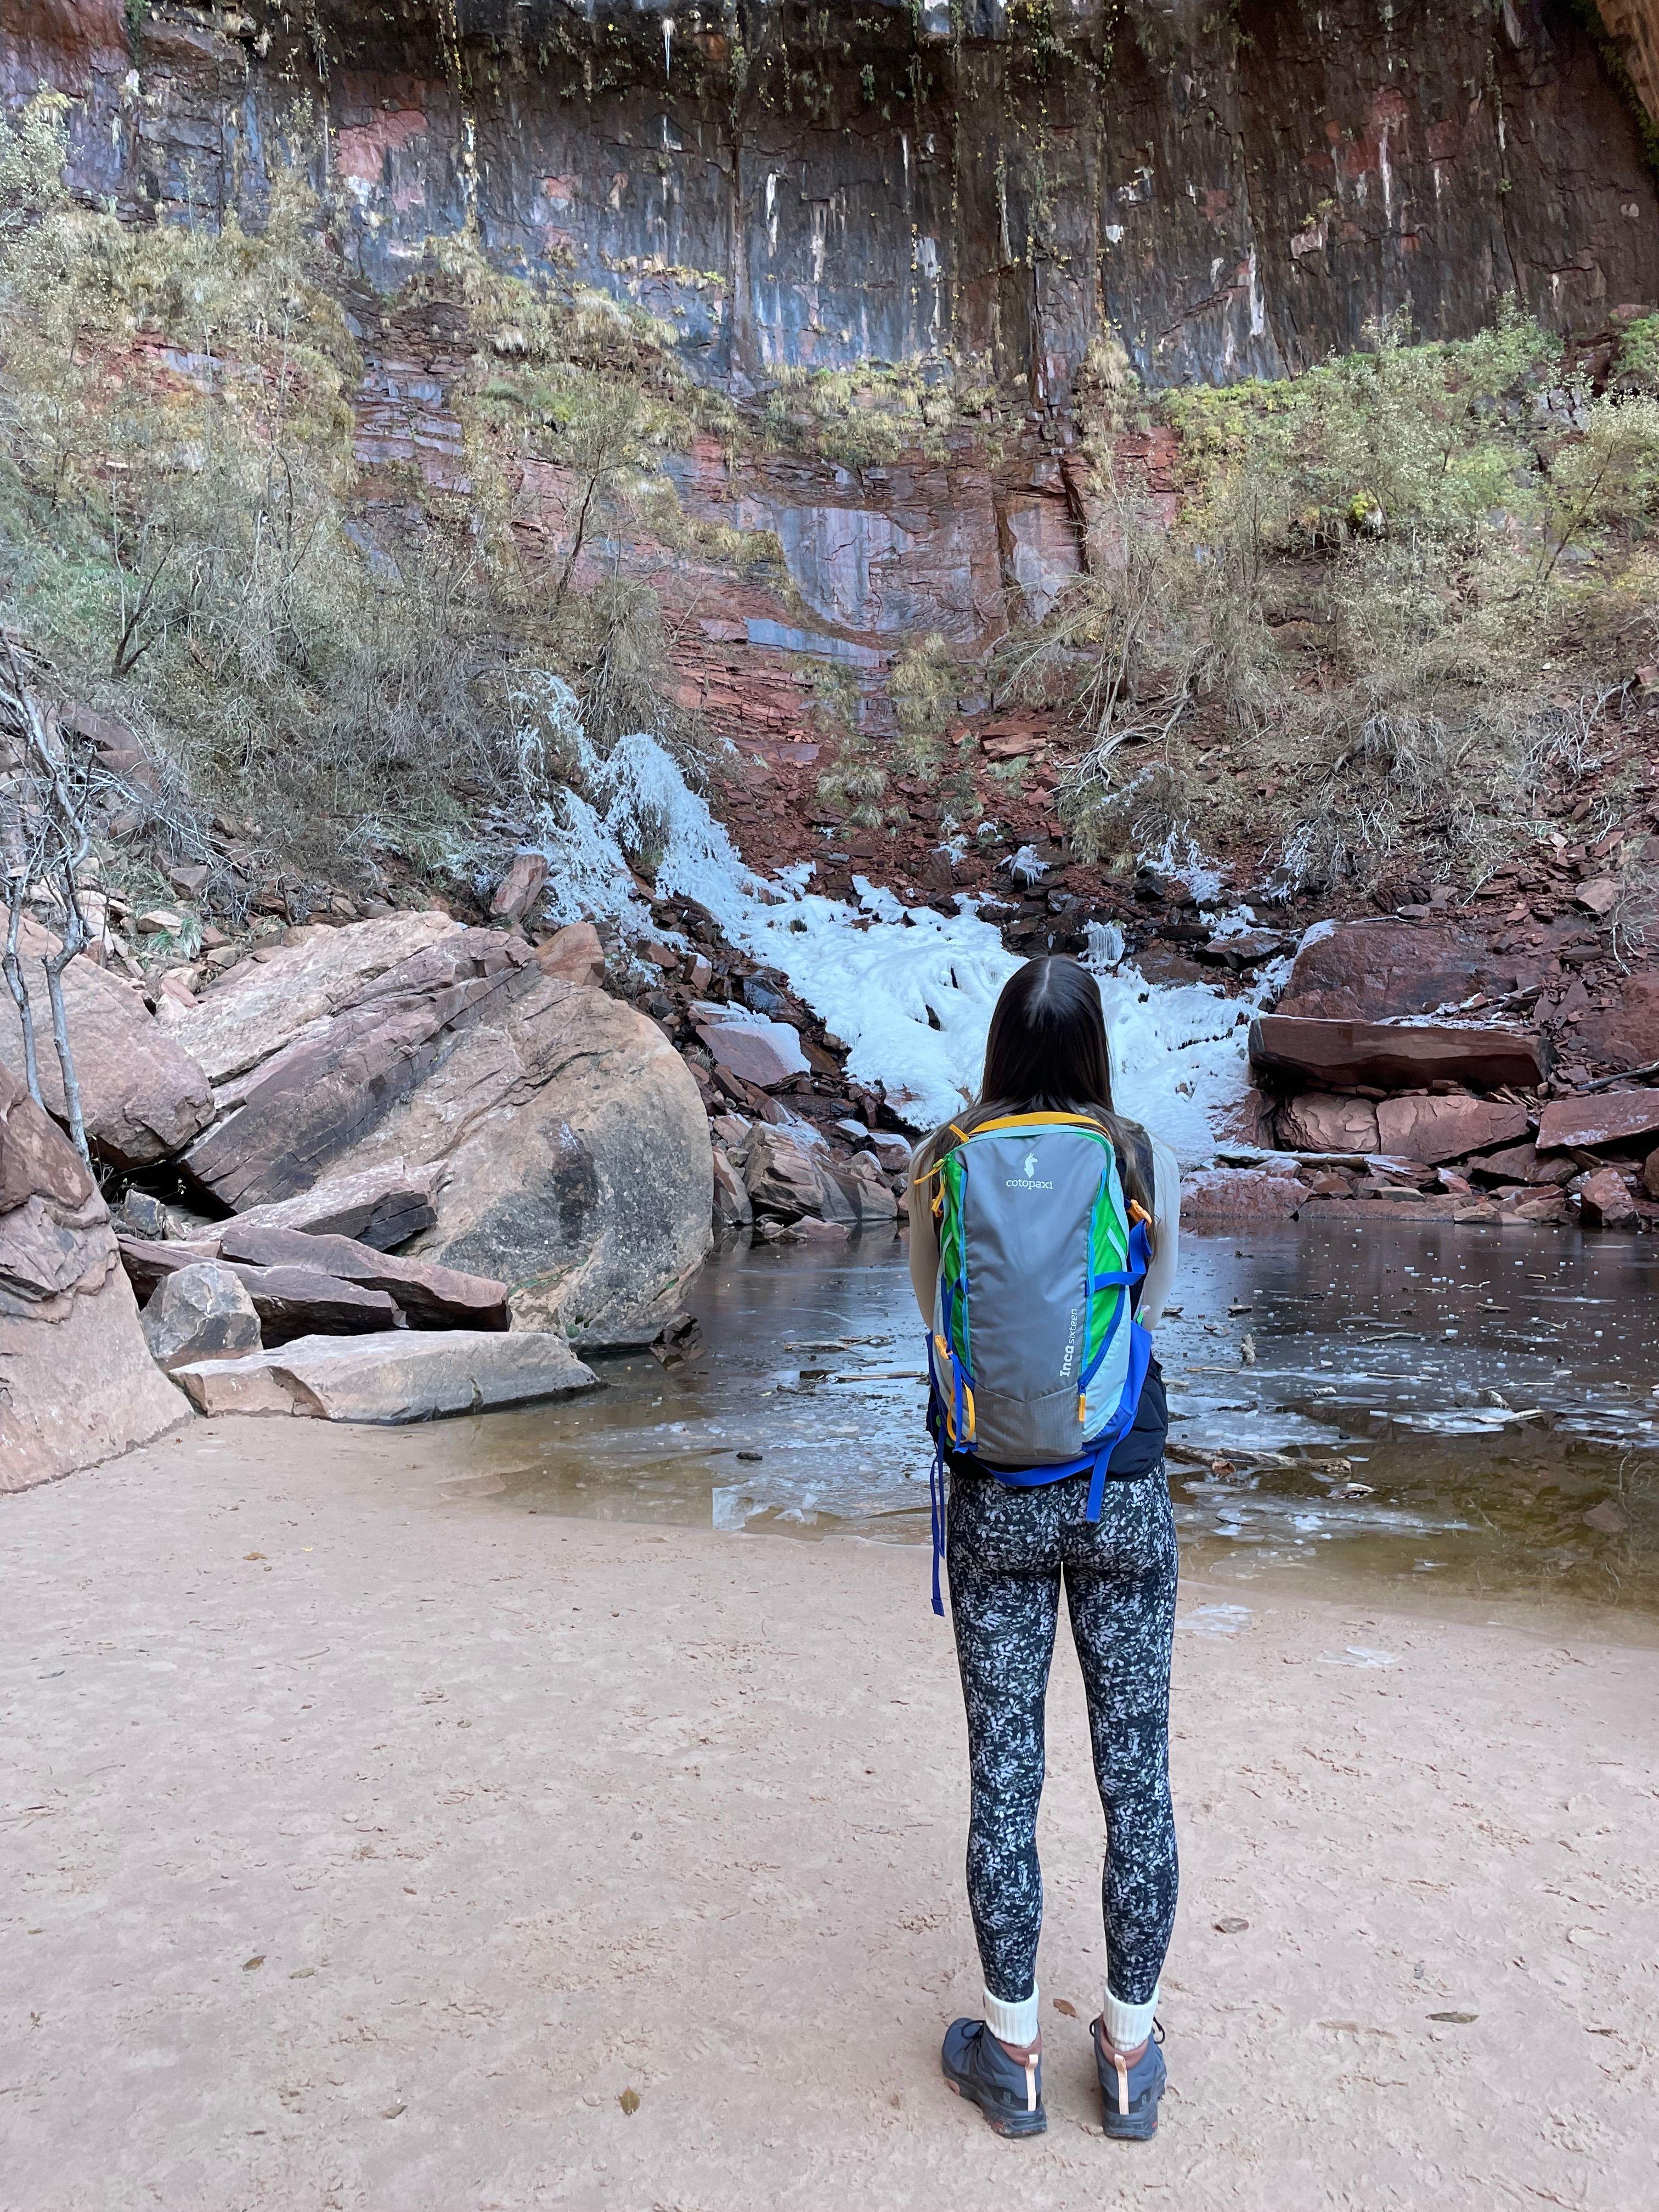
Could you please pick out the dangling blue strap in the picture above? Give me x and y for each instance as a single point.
(1140, 1359)
(1139, 1258)
(936, 1507)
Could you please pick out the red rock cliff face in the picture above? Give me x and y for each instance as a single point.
(1236, 191)
(1233, 192)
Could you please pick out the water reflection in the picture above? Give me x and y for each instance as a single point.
(1451, 1410)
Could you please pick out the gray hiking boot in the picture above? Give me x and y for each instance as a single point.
(1129, 2094)
(1008, 2093)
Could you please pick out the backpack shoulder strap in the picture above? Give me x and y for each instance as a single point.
(1141, 1181)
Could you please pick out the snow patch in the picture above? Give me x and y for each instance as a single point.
(1182, 858)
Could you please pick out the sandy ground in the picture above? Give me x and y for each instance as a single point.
(359, 1849)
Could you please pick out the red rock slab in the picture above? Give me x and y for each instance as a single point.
(765, 1056)
(1319, 1123)
(1368, 970)
(1605, 1117)
(1315, 1054)
(1233, 1195)
(519, 888)
(1436, 1129)
(333, 1085)
(383, 1205)
(1604, 1201)
(292, 1301)
(1521, 1163)
(1626, 1035)
(35, 1159)
(574, 953)
(148, 1263)
(430, 1297)
(1376, 1212)
(142, 1095)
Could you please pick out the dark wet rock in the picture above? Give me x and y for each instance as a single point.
(678, 1339)
(138, 1214)
(292, 1301)
(1243, 949)
(200, 1312)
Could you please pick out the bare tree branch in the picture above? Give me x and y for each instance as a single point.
(62, 845)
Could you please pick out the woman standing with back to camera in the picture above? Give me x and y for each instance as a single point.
(1042, 1246)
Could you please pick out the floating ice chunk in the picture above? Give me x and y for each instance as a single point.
(1218, 1620)
(1357, 1655)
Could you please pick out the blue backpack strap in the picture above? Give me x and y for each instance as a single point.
(1139, 1258)
(936, 1471)
(1140, 1359)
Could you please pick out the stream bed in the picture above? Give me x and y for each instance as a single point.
(1456, 1416)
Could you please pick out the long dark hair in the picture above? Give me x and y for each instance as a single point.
(1047, 1053)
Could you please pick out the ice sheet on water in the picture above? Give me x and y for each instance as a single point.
(908, 989)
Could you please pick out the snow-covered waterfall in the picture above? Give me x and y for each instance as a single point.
(908, 990)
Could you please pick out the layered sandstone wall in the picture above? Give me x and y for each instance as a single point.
(1236, 191)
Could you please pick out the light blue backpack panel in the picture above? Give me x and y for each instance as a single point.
(1035, 1360)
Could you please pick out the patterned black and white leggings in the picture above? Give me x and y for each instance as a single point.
(1006, 1552)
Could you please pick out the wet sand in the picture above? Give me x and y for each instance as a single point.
(355, 1853)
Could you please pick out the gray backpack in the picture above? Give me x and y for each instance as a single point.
(1035, 1359)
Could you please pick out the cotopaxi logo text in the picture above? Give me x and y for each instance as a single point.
(1028, 1180)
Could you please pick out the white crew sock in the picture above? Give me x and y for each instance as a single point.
(1127, 2026)
(1012, 2023)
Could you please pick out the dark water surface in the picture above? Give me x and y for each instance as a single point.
(1426, 1412)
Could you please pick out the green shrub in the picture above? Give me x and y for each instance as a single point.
(178, 529)
(1379, 576)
